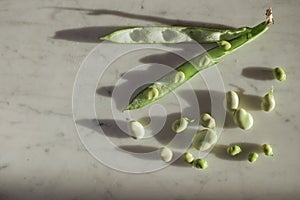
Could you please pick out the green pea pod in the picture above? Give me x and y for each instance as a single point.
(166, 84)
(173, 34)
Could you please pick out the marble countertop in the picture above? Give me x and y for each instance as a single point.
(43, 45)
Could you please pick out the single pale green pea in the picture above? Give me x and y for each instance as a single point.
(207, 121)
(268, 101)
(268, 150)
(137, 129)
(232, 101)
(179, 77)
(166, 154)
(181, 124)
(243, 119)
(279, 74)
(252, 157)
(204, 139)
(225, 44)
(152, 93)
(234, 150)
(188, 157)
(200, 163)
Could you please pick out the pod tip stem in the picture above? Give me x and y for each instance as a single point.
(269, 14)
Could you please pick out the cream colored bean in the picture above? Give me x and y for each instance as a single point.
(268, 101)
(232, 101)
(204, 139)
(207, 121)
(137, 130)
(166, 154)
(243, 119)
(188, 157)
(181, 124)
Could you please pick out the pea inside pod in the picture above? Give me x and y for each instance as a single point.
(179, 77)
(152, 93)
(225, 44)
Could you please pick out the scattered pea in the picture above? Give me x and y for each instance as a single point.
(234, 150)
(232, 101)
(279, 74)
(179, 77)
(207, 121)
(252, 157)
(243, 119)
(225, 44)
(188, 157)
(166, 154)
(204, 139)
(137, 130)
(181, 124)
(200, 163)
(268, 150)
(268, 101)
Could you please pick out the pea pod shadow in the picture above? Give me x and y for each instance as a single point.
(92, 34)
(220, 151)
(184, 53)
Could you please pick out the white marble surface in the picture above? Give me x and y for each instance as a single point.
(42, 46)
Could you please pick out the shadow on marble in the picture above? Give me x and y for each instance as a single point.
(258, 73)
(111, 129)
(93, 33)
(205, 103)
(249, 102)
(105, 91)
(175, 58)
(107, 126)
(140, 149)
(220, 151)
